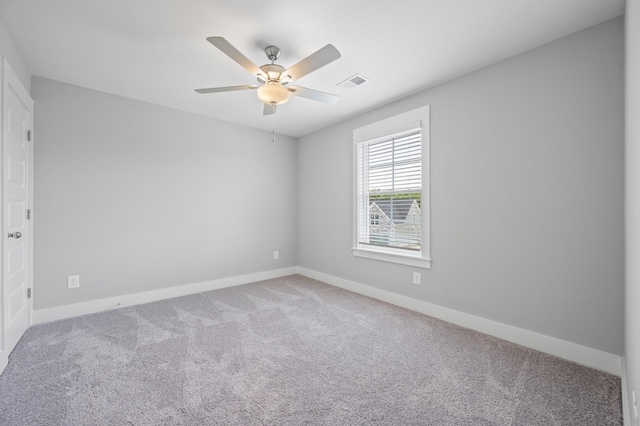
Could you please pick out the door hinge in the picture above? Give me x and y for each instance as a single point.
(28, 293)
(28, 214)
(29, 135)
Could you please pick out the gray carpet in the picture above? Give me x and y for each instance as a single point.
(289, 351)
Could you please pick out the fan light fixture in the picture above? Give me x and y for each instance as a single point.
(272, 93)
(274, 80)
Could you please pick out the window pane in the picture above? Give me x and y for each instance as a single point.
(389, 191)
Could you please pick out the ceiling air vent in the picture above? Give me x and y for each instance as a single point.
(353, 81)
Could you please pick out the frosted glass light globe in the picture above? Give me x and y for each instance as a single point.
(272, 93)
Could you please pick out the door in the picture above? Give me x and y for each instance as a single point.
(17, 108)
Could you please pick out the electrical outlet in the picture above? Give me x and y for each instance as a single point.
(73, 281)
(276, 255)
(416, 278)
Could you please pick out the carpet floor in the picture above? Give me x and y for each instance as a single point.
(289, 351)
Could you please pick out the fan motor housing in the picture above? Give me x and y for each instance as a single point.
(273, 71)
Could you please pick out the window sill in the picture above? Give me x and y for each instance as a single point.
(401, 259)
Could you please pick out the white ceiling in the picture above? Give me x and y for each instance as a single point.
(155, 50)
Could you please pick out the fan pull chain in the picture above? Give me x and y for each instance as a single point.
(274, 126)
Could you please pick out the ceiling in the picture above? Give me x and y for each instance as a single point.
(155, 50)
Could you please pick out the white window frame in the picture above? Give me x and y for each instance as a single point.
(418, 117)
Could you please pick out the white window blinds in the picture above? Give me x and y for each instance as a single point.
(389, 191)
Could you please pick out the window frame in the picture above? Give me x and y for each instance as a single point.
(418, 117)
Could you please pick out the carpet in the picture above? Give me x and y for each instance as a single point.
(289, 351)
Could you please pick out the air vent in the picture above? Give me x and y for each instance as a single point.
(353, 81)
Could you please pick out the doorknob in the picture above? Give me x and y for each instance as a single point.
(14, 235)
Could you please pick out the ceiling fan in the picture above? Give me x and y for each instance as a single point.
(274, 79)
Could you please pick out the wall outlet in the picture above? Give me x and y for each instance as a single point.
(416, 278)
(276, 255)
(73, 281)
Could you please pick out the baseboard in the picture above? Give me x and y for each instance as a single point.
(68, 311)
(584, 355)
(4, 361)
(589, 357)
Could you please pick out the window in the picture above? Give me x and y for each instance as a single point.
(390, 179)
(391, 209)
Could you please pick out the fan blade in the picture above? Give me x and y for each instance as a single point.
(313, 94)
(235, 54)
(312, 62)
(226, 89)
(269, 109)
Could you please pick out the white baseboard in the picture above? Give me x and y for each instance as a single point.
(584, 355)
(68, 311)
(4, 361)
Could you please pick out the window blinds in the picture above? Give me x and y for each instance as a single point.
(389, 191)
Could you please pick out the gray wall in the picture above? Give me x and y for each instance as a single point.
(10, 53)
(527, 193)
(135, 197)
(632, 199)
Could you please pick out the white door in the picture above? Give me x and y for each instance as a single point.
(17, 108)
